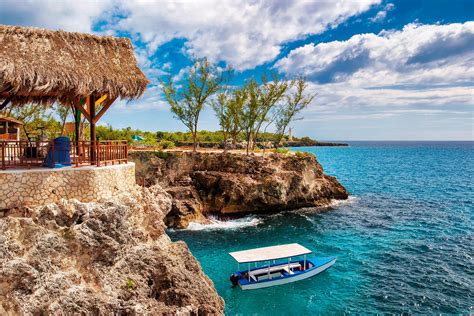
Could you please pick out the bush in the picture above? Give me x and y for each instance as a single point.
(281, 150)
(167, 144)
(161, 154)
(300, 154)
(130, 284)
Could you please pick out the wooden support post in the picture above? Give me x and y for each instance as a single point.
(77, 130)
(52, 152)
(78, 106)
(3, 154)
(104, 109)
(98, 154)
(92, 129)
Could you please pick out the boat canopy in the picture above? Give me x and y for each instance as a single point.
(270, 253)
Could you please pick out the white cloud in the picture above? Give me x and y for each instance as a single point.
(382, 14)
(416, 54)
(68, 15)
(422, 65)
(151, 100)
(242, 33)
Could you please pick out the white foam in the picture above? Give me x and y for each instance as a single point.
(216, 224)
(337, 203)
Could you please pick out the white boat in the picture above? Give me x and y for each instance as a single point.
(272, 272)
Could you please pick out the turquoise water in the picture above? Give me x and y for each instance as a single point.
(404, 240)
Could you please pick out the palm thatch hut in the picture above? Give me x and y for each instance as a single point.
(84, 71)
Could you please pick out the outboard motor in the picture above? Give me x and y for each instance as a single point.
(234, 279)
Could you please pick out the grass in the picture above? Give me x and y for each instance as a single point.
(130, 284)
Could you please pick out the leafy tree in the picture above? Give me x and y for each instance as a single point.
(63, 113)
(269, 94)
(250, 113)
(37, 120)
(228, 107)
(260, 103)
(187, 98)
(295, 103)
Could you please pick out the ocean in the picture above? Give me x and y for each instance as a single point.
(404, 240)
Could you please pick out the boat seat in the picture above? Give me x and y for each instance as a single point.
(292, 266)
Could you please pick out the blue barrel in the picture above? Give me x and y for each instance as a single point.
(62, 155)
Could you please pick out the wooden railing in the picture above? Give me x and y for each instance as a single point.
(18, 154)
(8, 136)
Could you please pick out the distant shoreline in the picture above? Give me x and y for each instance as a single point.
(218, 145)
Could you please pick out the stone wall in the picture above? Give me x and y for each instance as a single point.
(42, 185)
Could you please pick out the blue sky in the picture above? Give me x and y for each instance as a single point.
(382, 70)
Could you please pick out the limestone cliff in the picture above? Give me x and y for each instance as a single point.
(111, 258)
(235, 184)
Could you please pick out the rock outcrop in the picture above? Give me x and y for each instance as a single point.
(235, 184)
(110, 258)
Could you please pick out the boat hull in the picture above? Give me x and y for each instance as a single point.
(320, 265)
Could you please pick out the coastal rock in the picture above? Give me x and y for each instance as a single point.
(235, 184)
(100, 258)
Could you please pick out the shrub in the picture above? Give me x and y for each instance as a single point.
(130, 284)
(161, 154)
(68, 234)
(300, 154)
(281, 150)
(167, 144)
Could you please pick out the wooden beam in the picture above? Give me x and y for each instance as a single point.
(103, 110)
(92, 130)
(102, 99)
(79, 107)
(5, 103)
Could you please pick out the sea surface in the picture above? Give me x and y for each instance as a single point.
(404, 240)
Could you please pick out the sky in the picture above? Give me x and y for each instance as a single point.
(381, 70)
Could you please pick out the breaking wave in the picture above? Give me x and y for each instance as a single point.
(216, 224)
(337, 203)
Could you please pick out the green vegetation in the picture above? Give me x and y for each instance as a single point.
(130, 284)
(281, 150)
(187, 97)
(301, 154)
(68, 234)
(295, 103)
(245, 114)
(228, 109)
(161, 154)
(241, 112)
(37, 120)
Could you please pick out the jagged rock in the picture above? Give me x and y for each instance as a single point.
(100, 258)
(234, 183)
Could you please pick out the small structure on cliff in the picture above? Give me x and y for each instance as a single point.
(82, 71)
(9, 128)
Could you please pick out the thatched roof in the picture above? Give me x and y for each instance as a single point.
(44, 66)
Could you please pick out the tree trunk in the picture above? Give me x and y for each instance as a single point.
(248, 143)
(194, 141)
(225, 143)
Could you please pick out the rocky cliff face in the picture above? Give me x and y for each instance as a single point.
(234, 184)
(107, 258)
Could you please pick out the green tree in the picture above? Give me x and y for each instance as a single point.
(36, 118)
(250, 113)
(228, 107)
(62, 112)
(295, 103)
(270, 94)
(260, 103)
(188, 97)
